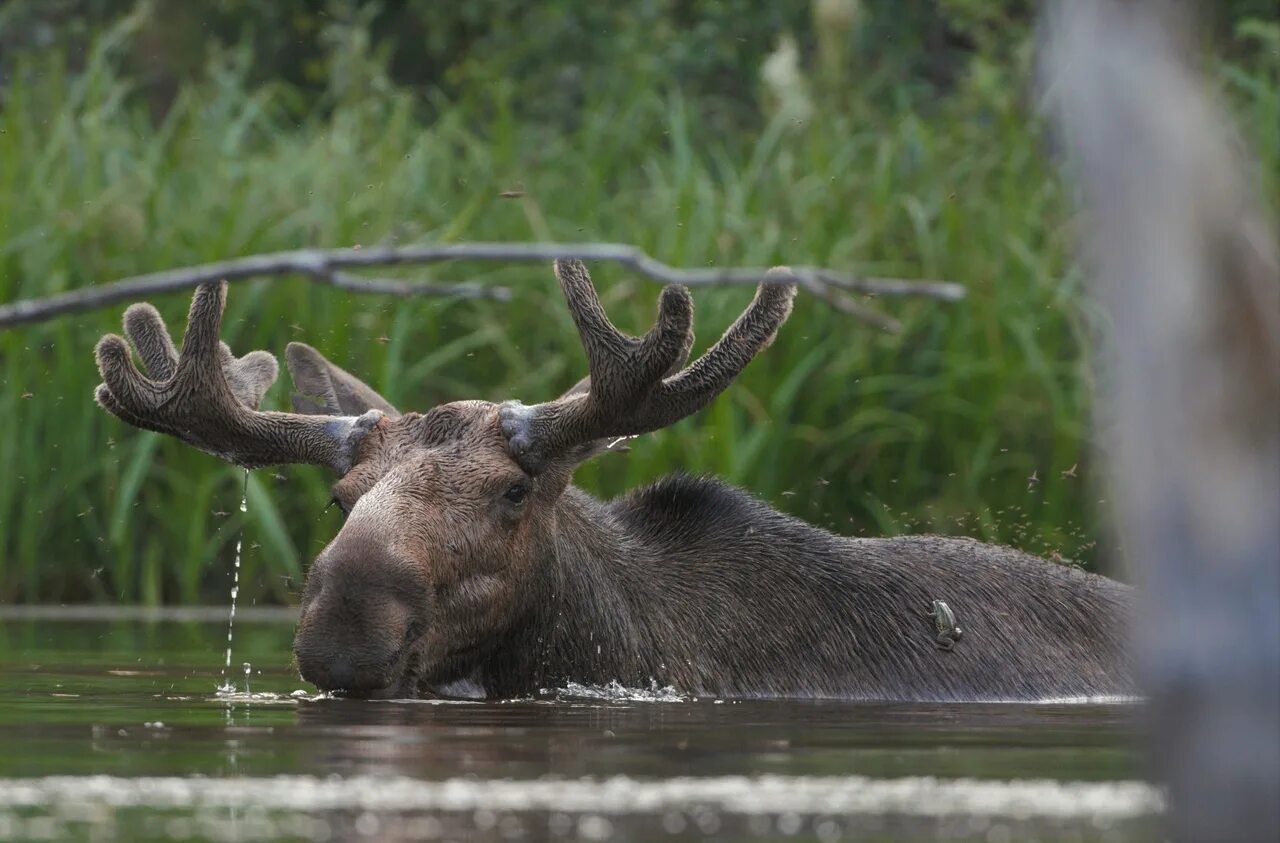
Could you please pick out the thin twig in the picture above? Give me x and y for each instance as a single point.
(845, 304)
(404, 289)
(326, 266)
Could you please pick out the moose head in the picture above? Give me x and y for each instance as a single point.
(451, 514)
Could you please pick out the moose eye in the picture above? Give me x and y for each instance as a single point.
(517, 493)
(340, 505)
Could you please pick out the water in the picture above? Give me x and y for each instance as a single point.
(227, 686)
(112, 730)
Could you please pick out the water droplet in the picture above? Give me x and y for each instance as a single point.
(227, 686)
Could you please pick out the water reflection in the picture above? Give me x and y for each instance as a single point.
(531, 738)
(130, 709)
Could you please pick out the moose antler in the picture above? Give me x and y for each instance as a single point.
(208, 398)
(626, 393)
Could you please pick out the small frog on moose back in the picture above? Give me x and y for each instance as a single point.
(945, 621)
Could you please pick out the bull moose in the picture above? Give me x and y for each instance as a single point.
(466, 553)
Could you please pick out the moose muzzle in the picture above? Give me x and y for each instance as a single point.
(350, 671)
(360, 644)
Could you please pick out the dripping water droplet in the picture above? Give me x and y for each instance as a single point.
(228, 685)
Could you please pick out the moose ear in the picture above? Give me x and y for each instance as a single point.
(323, 389)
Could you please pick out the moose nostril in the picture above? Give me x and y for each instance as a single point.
(342, 673)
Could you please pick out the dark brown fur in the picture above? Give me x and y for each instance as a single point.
(467, 554)
(688, 583)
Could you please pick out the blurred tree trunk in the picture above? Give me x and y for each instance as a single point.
(1186, 261)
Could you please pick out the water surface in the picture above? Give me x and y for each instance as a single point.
(111, 729)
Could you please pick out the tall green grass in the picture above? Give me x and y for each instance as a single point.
(973, 421)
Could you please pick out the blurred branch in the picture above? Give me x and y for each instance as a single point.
(327, 266)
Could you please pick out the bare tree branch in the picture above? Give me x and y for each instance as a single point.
(327, 266)
(846, 305)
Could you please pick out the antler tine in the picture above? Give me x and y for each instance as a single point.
(146, 330)
(646, 359)
(694, 387)
(626, 393)
(208, 398)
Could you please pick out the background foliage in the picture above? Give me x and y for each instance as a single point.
(898, 138)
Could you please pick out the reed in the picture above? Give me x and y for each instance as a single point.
(972, 421)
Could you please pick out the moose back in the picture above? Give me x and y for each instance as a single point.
(466, 553)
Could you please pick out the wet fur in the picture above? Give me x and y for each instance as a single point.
(695, 584)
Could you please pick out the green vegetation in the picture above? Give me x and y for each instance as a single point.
(974, 420)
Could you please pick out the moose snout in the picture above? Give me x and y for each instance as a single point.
(361, 604)
(342, 673)
(354, 669)
(341, 654)
(345, 673)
